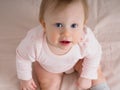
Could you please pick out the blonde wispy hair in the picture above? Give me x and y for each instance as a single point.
(45, 4)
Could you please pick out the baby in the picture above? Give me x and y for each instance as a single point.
(61, 44)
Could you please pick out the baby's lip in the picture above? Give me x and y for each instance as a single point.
(65, 42)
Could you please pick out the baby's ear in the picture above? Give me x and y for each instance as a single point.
(43, 24)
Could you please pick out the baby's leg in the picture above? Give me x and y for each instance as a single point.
(101, 79)
(47, 80)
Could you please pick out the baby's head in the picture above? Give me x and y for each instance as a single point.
(57, 5)
(63, 21)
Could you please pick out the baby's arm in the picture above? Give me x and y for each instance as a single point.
(24, 58)
(93, 53)
(26, 53)
(24, 72)
(91, 60)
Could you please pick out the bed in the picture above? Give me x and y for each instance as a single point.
(18, 16)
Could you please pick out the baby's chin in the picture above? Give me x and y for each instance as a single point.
(66, 47)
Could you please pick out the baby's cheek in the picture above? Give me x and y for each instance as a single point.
(77, 38)
(53, 39)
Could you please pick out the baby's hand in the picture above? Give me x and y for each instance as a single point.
(27, 85)
(84, 83)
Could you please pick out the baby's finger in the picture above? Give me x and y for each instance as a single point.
(32, 88)
(34, 85)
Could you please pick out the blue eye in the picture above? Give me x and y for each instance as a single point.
(74, 25)
(59, 25)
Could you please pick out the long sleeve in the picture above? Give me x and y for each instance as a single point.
(92, 58)
(27, 52)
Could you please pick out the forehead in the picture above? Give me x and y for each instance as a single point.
(74, 9)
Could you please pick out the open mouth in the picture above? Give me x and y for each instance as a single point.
(65, 42)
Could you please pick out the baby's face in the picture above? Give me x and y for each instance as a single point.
(64, 28)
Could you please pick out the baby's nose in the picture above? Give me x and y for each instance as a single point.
(66, 32)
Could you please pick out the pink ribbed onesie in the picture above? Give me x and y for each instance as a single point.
(34, 48)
